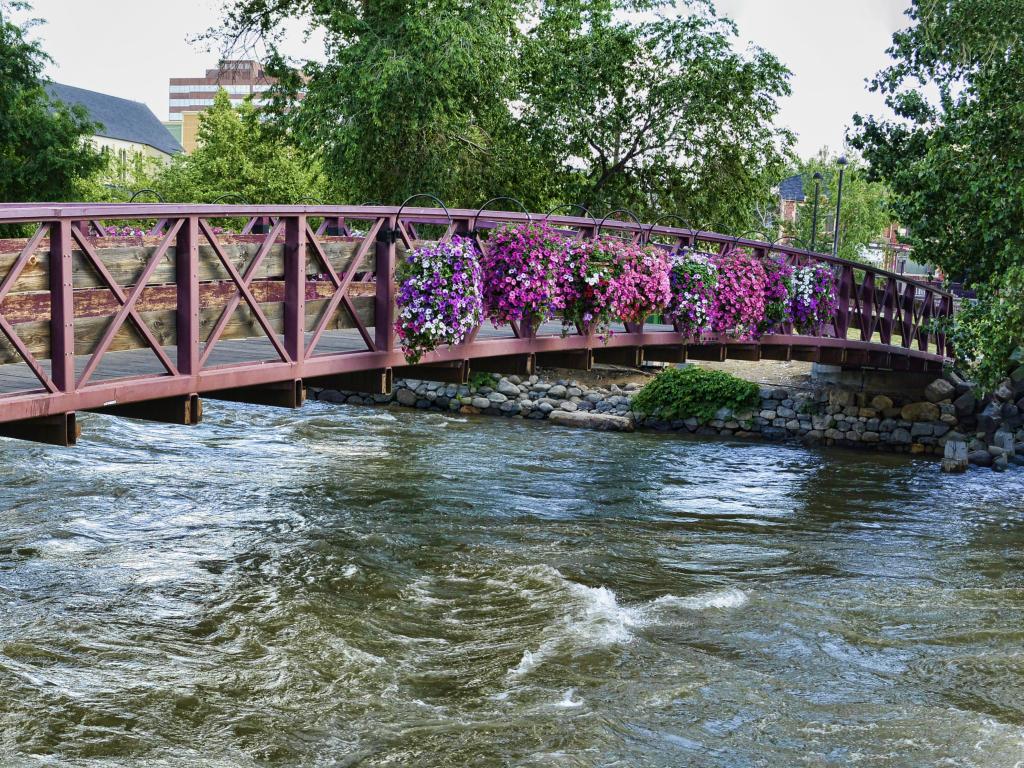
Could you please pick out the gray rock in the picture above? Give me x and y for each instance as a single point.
(901, 436)
(881, 402)
(870, 437)
(480, 402)
(568, 405)
(558, 390)
(508, 388)
(592, 421)
(545, 408)
(980, 458)
(785, 413)
(922, 429)
(406, 397)
(920, 412)
(496, 397)
(939, 390)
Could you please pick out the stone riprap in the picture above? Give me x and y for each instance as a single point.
(951, 422)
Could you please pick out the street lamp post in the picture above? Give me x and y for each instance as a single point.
(814, 218)
(839, 201)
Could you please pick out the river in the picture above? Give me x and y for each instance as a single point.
(345, 586)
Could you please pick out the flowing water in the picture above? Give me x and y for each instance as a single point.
(347, 586)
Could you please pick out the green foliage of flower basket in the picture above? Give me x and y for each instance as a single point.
(683, 393)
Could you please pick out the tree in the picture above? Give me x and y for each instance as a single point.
(553, 102)
(955, 164)
(238, 156)
(45, 153)
(865, 207)
(655, 112)
(410, 98)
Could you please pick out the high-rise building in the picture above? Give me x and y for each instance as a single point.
(241, 79)
(188, 96)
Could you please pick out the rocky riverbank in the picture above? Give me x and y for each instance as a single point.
(950, 422)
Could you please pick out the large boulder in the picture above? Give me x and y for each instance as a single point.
(881, 402)
(920, 412)
(589, 420)
(939, 390)
(965, 403)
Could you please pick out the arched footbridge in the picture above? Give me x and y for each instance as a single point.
(144, 326)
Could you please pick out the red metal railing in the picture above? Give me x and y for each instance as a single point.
(202, 278)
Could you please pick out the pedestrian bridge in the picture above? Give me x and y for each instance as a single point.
(142, 327)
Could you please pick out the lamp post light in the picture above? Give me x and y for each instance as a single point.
(814, 218)
(839, 201)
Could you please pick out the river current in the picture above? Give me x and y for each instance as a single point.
(345, 586)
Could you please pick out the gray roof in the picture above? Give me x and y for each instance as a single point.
(118, 118)
(792, 188)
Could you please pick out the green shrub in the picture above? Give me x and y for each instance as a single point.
(479, 379)
(692, 392)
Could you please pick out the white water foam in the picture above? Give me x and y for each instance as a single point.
(595, 619)
(724, 598)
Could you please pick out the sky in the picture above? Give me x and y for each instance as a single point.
(130, 48)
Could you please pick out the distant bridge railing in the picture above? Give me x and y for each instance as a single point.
(96, 323)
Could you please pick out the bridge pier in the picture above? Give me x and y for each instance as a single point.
(61, 429)
(452, 372)
(187, 411)
(375, 382)
(285, 394)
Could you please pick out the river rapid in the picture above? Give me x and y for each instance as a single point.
(345, 586)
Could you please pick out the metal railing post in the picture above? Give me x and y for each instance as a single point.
(62, 307)
(384, 271)
(295, 287)
(186, 260)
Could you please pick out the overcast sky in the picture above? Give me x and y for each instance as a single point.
(130, 48)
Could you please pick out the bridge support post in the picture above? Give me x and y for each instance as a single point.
(665, 354)
(632, 357)
(712, 352)
(378, 382)
(520, 365)
(285, 394)
(452, 372)
(575, 359)
(62, 430)
(186, 410)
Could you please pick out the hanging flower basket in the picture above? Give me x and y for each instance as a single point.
(740, 295)
(641, 285)
(586, 293)
(815, 298)
(778, 296)
(692, 280)
(523, 266)
(439, 296)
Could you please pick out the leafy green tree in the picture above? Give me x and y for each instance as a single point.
(556, 101)
(988, 335)
(410, 98)
(238, 156)
(955, 163)
(654, 111)
(45, 153)
(865, 207)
